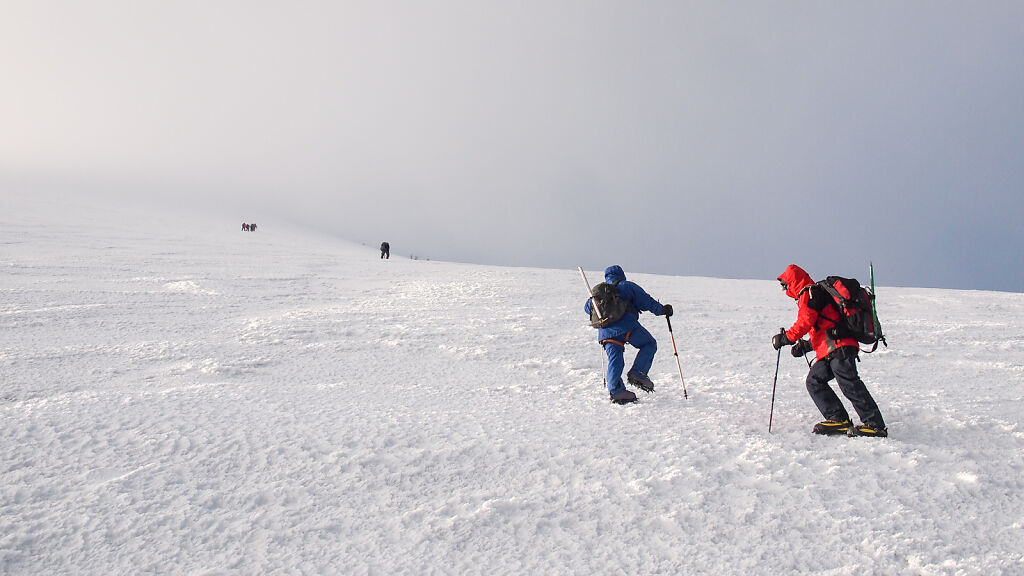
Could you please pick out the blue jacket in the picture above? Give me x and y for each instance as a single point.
(631, 293)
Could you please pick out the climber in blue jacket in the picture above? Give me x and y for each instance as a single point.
(628, 330)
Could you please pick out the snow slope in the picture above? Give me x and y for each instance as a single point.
(180, 397)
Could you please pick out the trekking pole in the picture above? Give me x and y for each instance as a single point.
(774, 381)
(604, 371)
(676, 352)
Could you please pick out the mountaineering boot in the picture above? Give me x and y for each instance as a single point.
(640, 380)
(831, 427)
(624, 397)
(868, 430)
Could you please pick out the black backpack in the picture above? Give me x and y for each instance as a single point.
(606, 299)
(855, 304)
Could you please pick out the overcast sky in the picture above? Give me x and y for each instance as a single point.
(692, 138)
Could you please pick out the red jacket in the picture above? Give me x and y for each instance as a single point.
(817, 313)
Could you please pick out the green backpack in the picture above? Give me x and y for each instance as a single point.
(606, 298)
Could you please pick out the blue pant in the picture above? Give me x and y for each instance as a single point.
(842, 367)
(639, 338)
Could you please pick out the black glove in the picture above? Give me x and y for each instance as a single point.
(800, 348)
(667, 310)
(780, 340)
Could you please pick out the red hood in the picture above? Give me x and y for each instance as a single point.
(796, 280)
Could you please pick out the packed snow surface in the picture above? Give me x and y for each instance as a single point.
(182, 397)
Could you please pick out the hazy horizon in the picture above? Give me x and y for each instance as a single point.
(691, 139)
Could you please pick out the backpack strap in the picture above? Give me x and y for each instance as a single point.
(829, 302)
(629, 303)
(834, 293)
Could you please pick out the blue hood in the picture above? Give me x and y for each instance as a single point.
(613, 274)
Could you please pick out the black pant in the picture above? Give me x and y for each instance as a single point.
(843, 367)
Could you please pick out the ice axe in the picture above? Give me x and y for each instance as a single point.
(590, 291)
